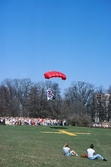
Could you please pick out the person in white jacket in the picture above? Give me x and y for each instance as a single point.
(92, 155)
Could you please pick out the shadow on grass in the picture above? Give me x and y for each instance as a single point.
(58, 127)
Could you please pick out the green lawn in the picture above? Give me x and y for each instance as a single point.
(41, 146)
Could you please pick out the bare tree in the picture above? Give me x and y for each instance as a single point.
(79, 97)
(101, 104)
(18, 90)
(109, 103)
(13, 102)
(4, 101)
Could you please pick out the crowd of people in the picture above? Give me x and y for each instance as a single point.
(31, 121)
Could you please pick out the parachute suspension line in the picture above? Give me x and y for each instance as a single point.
(53, 74)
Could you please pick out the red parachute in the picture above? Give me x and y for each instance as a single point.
(54, 74)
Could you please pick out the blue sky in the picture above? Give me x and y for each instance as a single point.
(70, 36)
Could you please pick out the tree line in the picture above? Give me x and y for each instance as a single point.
(79, 104)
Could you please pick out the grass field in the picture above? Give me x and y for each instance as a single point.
(41, 146)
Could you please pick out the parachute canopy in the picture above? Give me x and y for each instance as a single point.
(54, 74)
